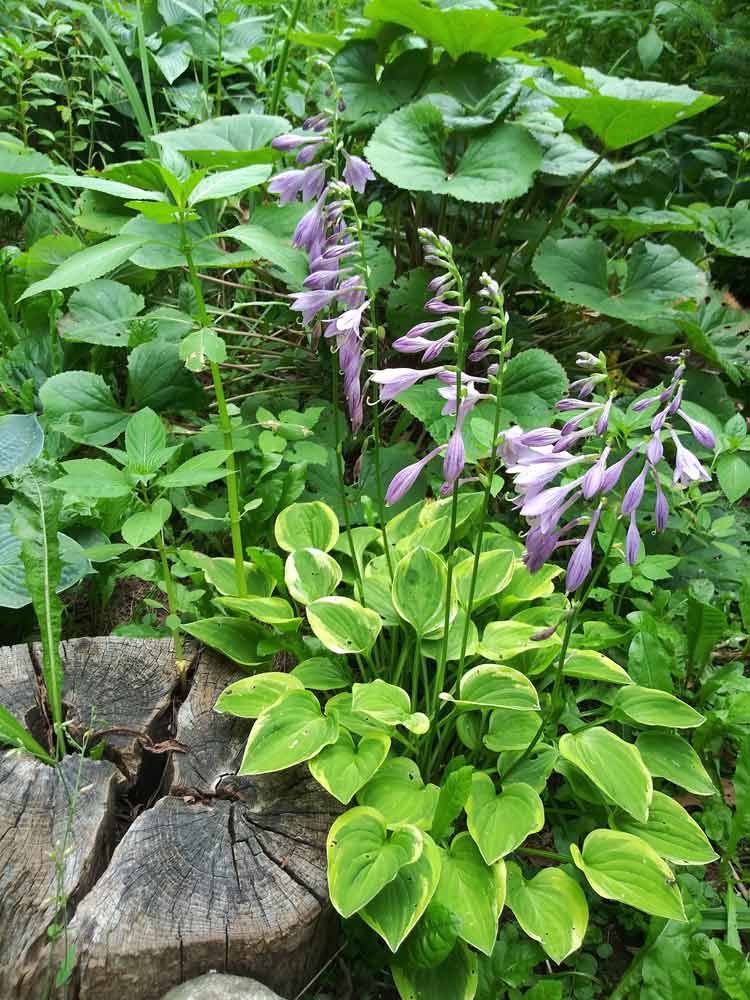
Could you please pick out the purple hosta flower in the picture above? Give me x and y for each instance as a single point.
(533, 475)
(702, 434)
(687, 467)
(549, 505)
(585, 386)
(592, 481)
(397, 380)
(308, 153)
(579, 565)
(603, 422)
(455, 455)
(312, 302)
(311, 227)
(289, 183)
(539, 547)
(288, 142)
(403, 481)
(655, 450)
(611, 477)
(420, 329)
(661, 507)
(316, 123)
(430, 349)
(440, 307)
(357, 172)
(634, 493)
(632, 541)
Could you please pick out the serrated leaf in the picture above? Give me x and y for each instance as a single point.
(201, 346)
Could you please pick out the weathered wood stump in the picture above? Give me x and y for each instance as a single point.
(214, 872)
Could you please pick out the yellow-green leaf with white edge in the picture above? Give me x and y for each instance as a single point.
(307, 526)
(310, 574)
(500, 823)
(623, 867)
(271, 610)
(652, 707)
(510, 730)
(364, 857)
(343, 768)
(289, 732)
(474, 890)
(589, 664)
(490, 685)
(551, 908)
(251, 696)
(418, 592)
(389, 704)
(343, 625)
(399, 794)
(671, 831)
(494, 572)
(614, 766)
(669, 756)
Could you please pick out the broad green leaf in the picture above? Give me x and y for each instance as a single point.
(491, 686)
(724, 227)
(321, 674)
(19, 165)
(307, 526)
(504, 640)
(433, 938)
(228, 141)
(534, 770)
(499, 823)
(649, 658)
(93, 262)
(623, 867)
(340, 705)
(705, 627)
(249, 697)
(287, 733)
(343, 625)
(197, 471)
(399, 794)
(594, 666)
(394, 912)
(733, 473)
(670, 831)
(21, 441)
(13, 734)
(364, 857)
(732, 969)
(229, 183)
(494, 573)
(104, 186)
(614, 766)
(343, 768)
(370, 90)
(235, 638)
(409, 149)
(467, 29)
(457, 978)
(221, 573)
(418, 592)
(158, 378)
(145, 443)
(454, 792)
(268, 246)
(310, 574)
(271, 610)
(669, 756)
(100, 312)
(81, 405)
(474, 890)
(93, 477)
(200, 347)
(527, 586)
(511, 730)
(656, 277)
(143, 526)
(387, 704)
(651, 707)
(551, 908)
(641, 221)
(534, 372)
(433, 648)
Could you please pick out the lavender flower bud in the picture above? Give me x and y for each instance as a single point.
(661, 509)
(655, 450)
(611, 477)
(579, 565)
(357, 172)
(397, 380)
(603, 421)
(634, 493)
(403, 481)
(702, 434)
(632, 541)
(455, 457)
(285, 143)
(592, 481)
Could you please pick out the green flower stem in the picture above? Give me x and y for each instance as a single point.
(273, 106)
(225, 424)
(171, 602)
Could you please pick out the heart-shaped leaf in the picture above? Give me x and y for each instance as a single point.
(310, 574)
(551, 908)
(343, 768)
(399, 794)
(474, 890)
(321, 674)
(456, 978)
(492, 686)
(613, 765)
(419, 587)
(499, 823)
(250, 697)
(307, 526)
(291, 731)
(388, 704)
(494, 572)
(343, 625)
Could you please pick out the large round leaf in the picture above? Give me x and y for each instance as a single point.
(343, 768)
(499, 823)
(551, 908)
(511, 730)
(311, 574)
(307, 525)
(474, 890)
(292, 730)
(411, 150)
(623, 867)
(363, 857)
(418, 593)
(343, 625)
(670, 830)
(613, 765)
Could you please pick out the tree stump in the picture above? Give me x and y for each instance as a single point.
(215, 871)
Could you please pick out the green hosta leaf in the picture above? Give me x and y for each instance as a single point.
(394, 912)
(409, 149)
(249, 697)
(389, 705)
(289, 732)
(511, 730)
(343, 768)
(669, 756)
(343, 625)
(399, 794)
(594, 666)
(491, 686)
(494, 573)
(656, 277)
(474, 890)
(229, 183)
(506, 639)
(418, 593)
(81, 405)
(340, 705)
(623, 867)
(670, 830)
(614, 766)
(104, 186)
(433, 648)
(651, 707)
(310, 574)
(100, 313)
(363, 857)
(21, 441)
(143, 526)
(457, 978)
(723, 227)
(551, 908)
(145, 442)
(734, 476)
(453, 795)
(93, 262)
(13, 734)
(620, 110)
(197, 471)
(433, 938)
(271, 610)
(221, 573)
(499, 823)
(200, 347)
(236, 639)
(641, 221)
(307, 526)
(268, 246)
(482, 30)
(533, 771)
(228, 141)
(93, 477)
(321, 674)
